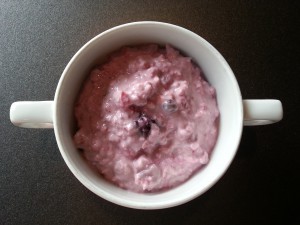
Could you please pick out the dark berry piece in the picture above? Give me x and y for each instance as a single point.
(143, 123)
(169, 106)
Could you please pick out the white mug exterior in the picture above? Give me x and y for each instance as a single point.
(217, 72)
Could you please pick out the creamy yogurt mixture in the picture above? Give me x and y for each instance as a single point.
(147, 120)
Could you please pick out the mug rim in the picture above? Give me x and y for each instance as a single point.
(78, 173)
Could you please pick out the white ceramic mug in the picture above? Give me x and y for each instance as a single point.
(234, 112)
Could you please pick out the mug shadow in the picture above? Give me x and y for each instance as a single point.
(248, 144)
(175, 215)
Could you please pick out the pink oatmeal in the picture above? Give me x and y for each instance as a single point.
(147, 120)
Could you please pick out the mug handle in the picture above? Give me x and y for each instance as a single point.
(32, 114)
(262, 111)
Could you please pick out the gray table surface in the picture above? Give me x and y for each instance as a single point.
(259, 40)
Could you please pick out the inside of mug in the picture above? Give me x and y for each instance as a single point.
(216, 71)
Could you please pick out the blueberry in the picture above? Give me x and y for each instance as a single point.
(143, 123)
(169, 106)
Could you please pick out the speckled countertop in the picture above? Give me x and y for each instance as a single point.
(259, 41)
